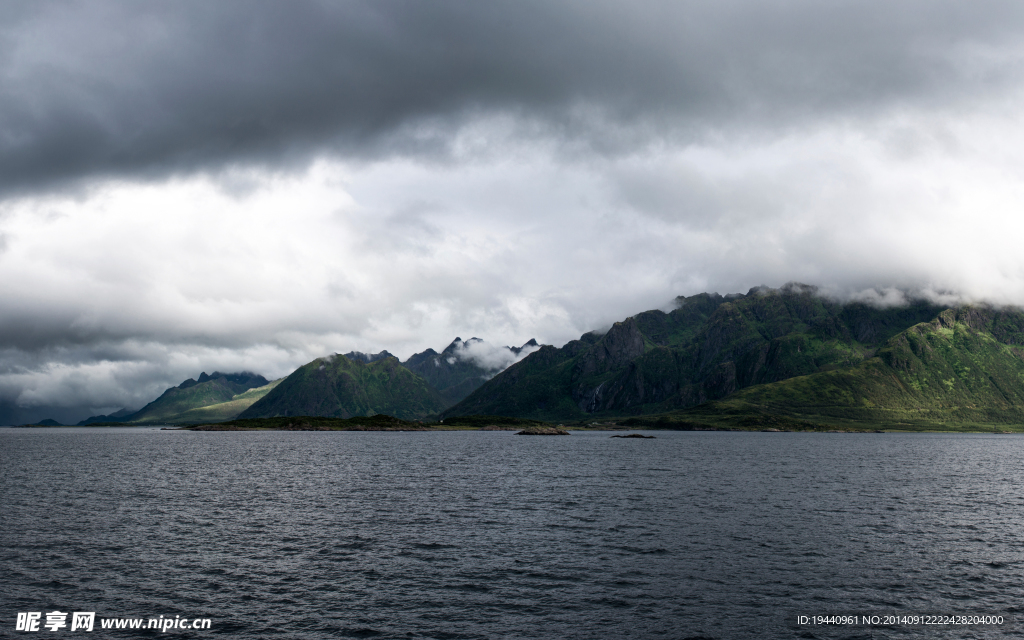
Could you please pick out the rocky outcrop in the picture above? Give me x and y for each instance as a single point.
(622, 344)
(543, 431)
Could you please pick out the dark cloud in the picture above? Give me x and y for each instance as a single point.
(150, 88)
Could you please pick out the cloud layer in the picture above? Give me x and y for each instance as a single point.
(146, 90)
(202, 186)
(489, 357)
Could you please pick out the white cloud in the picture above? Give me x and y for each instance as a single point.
(490, 357)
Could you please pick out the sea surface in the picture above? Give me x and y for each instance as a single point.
(491, 535)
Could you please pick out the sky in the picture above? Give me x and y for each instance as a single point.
(197, 186)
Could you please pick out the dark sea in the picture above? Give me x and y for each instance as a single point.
(491, 535)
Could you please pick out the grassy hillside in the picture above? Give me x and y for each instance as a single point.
(225, 410)
(963, 369)
(708, 348)
(191, 394)
(341, 388)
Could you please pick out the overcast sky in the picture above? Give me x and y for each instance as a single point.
(193, 186)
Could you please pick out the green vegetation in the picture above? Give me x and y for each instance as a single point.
(225, 410)
(209, 390)
(708, 348)
(963, 371)
(543, 431)
(783, 359)
(338, 387)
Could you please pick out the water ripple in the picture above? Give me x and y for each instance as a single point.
(484, 535)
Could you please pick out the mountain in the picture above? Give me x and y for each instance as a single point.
(222, 411)
(707, 348)
(368, 357)
(964, 367)
(463, 366)
(458, 370)
(121, 415)
(338, 387)
(192, 394)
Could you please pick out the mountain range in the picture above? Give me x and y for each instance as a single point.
(361, 384)
(962, 369)
(339, 387)
(707, 348)
(218, 396)
(456, 373)
(342, 386)
(771, 357)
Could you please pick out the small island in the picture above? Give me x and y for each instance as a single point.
(543, 431)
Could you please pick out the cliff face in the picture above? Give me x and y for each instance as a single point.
(964, 367)
(455, 373)
(709, 347)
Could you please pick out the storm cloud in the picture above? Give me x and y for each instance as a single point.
(148, 89)
(220, 186)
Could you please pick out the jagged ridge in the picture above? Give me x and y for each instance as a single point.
(707, 348)
(192, 394)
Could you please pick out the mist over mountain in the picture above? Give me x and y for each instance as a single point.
(368, 357)
(708, 347)
(464, 366)
(451, 375)
(744, 360)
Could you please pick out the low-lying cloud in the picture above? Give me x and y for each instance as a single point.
(489, 357)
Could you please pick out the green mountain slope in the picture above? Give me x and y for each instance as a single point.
(192, 394)
(338, 387)
(966, 367)
(225, 410)
(709, 347)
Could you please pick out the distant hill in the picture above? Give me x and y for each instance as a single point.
(430, 382)
(222, 411)
(707, 348)
(772, 358)
(965, 367)
(338, 387)
(463, 367)
(213, 389)
(121, 415)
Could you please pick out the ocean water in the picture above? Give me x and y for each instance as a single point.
(491, 535)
